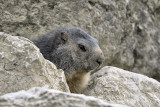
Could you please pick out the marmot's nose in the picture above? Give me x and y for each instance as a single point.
(99, 57)
(99, 61)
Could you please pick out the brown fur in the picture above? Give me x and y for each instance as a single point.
(78, 81)
(73, 50)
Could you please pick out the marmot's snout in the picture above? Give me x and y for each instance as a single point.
(100, 59)
(97, 58)
(74, 51)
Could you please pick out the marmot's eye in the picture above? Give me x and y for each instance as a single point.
(82, 47)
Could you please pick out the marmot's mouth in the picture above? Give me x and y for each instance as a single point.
(93, 67)
(89, 68)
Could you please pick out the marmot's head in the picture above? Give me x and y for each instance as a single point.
(71, 49)
(75, 50)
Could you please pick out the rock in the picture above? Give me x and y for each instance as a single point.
(127, 30)
(22, 66)
(115, 85)
(43, 97)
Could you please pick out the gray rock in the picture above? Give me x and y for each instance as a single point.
(22, 66)
(43, 97)
(128, 30)
(115, 85)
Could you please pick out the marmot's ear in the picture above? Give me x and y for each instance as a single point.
(64, 37)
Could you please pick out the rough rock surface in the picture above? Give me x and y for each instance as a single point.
(22, 66)
(128, 30)
(42, 97)
(115, 85)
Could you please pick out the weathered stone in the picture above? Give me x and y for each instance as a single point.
(115, 85)
(127, 30)
(22, 66)
(42, 97)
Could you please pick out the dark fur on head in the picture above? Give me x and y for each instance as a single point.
(71, 49)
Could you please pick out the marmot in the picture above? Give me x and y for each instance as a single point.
(73, 50)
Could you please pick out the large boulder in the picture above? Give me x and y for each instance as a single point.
(127, 30)
(115, 85)
(22, 66)
(43, 97)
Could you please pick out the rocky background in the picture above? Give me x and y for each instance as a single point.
(23, 67)
(127, 30)
(128, 33)
(43, 97)
(115, 85)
